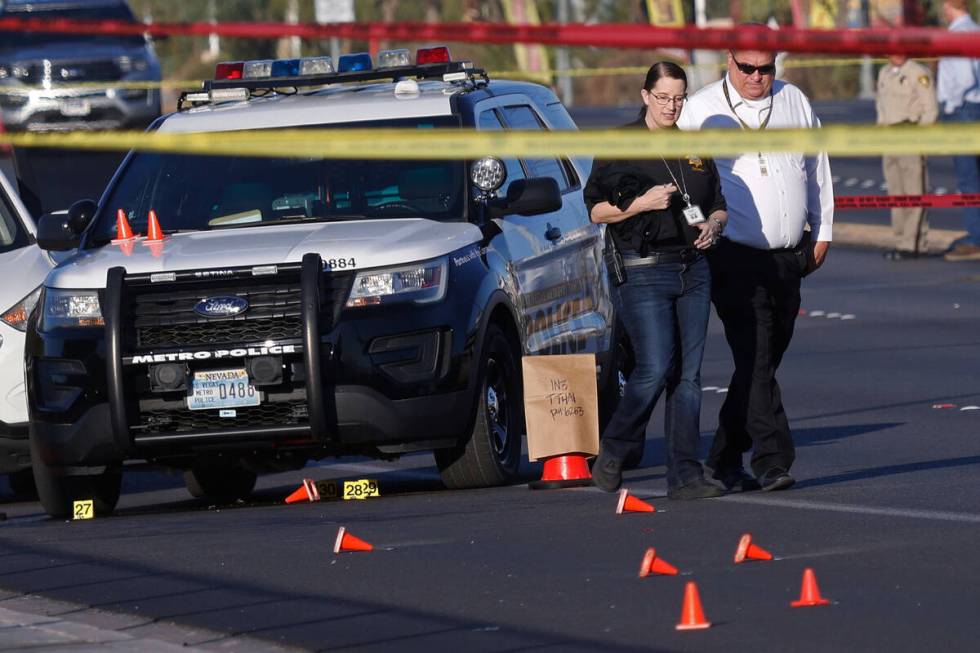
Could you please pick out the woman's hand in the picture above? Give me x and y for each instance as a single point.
(655, 199)
(710, 230)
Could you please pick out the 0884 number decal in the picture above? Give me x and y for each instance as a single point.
(339, 263)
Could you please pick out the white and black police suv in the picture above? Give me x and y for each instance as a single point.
(304, 307)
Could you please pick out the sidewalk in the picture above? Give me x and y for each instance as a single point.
(39, 624)
(881, 236)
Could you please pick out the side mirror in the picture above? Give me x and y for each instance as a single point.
(532, 196)
(62, 230)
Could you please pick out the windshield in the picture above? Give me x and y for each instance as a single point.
(74, 10)
(190, 192)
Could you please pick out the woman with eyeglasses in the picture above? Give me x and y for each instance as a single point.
(663, 213)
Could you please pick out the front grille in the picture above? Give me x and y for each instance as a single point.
(181, 420)
(68, 72)
(245, 332)
(162, 315)
(166, 317)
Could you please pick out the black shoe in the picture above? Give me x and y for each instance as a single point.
(899, 255)
(776, 478)
(607, 472)
(697, 489)
(736, 479)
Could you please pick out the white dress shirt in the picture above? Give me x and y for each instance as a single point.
(771, 196)
(959, 77)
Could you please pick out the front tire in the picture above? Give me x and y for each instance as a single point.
(58, 492)
(22, 485)
(491, 454)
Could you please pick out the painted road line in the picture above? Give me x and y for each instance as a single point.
(856, 509)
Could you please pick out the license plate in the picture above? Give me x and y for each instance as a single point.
(222, 389)
(75, 107)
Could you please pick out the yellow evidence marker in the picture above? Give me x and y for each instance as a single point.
(363, 488)
(83, 509)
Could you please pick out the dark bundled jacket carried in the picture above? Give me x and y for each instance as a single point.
(622, 183)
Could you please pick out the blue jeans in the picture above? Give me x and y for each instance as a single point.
(967, 169)
(665, 311)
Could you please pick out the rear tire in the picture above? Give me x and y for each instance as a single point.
(491, 454)
(221, 483)
(58, 492)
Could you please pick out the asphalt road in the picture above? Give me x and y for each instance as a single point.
(885, 512)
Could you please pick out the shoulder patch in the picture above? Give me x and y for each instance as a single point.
(924, 81)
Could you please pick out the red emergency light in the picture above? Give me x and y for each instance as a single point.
(432, 55)
(229, 70)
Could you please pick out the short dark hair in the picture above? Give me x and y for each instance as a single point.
(658, 71)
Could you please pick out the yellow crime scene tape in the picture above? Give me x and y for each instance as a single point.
(609, 71)
(449, 144)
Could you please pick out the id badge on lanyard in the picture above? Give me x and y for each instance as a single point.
(693, 214)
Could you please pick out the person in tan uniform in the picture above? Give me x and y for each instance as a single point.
(906, 95)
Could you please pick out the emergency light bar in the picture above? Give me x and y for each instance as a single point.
(356, 67)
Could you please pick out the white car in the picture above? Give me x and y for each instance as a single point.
(23, 267)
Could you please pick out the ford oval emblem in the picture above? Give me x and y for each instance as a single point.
(221, 306)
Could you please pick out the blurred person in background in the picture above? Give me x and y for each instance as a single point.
(906, 96)
(757, 267)
(958, 92)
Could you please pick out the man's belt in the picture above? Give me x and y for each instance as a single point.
(689, 255)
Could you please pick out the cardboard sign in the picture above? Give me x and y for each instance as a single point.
(561, 405)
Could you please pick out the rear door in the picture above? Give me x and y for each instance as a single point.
(556, 257)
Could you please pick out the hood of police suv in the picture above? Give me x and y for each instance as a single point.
(354, 245)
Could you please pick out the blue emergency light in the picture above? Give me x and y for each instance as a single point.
(350, 63)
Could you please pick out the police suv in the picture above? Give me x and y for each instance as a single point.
(295, 308)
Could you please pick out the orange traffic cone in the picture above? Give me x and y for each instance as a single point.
(629, 503)
(809, 592)
(153, 231)
(306, 492)
(570, 470)
(748, 551)
(347, 542)
(692, 616)
(123, 230)
(652, 565)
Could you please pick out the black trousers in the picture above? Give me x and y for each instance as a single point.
(757, 296)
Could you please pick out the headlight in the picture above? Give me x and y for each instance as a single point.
(71, 308)
(16, 316)
(421, 283)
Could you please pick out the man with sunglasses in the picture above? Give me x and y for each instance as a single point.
(780, 208)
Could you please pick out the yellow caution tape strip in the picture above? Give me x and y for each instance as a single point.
(521, 74)
(840, 140)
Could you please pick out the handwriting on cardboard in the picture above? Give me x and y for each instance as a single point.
(560, 405)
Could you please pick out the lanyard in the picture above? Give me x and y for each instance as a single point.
(683, 184)
(763, 165)
(728, 98)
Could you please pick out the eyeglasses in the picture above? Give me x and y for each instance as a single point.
(662, 100)
(748, 69)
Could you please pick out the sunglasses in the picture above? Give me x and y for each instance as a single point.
(749, 69)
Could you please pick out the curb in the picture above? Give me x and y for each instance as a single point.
(882, 237)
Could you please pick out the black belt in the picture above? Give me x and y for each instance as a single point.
(658, 258)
